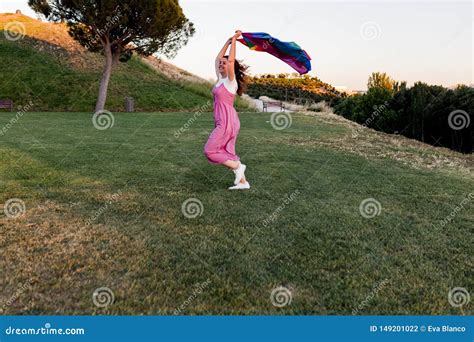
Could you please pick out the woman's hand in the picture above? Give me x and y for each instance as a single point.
(237, 34)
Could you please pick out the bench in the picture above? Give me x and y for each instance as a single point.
(6, 104)
(273, 103)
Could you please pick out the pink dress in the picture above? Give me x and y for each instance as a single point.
(220, 146)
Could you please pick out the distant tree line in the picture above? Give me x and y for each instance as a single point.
(292, 88)
(429, 113)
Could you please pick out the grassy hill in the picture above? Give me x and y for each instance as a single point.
(104, 209)
(48, 68)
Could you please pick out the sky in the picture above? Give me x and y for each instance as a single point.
(429, 41)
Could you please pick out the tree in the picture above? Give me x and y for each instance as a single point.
(381, 80)
(118, 28)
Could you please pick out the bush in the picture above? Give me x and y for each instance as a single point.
(421, 112)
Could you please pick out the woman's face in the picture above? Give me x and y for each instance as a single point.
(223, 62)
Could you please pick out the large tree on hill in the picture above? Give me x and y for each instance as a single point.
(117, 28)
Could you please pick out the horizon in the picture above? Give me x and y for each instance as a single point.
(359, 38)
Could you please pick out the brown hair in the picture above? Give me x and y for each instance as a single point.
(240, 70)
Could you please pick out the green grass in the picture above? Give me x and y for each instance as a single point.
(53, 85)
(142, 247)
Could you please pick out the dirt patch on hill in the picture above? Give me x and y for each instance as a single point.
(173, 72)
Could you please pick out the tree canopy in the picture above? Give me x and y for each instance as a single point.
(119, 28)
(380, 80)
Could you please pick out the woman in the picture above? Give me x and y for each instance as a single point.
(220, 147)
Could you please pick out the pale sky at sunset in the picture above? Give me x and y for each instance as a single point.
(431, 41)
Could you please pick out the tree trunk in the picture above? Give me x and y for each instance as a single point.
(104, 82)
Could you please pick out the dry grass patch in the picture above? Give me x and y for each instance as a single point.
(52, 262)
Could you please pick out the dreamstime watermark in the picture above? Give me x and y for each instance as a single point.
(281, 120)
(370, 30)
(269, 44)
(204, 108)
(22, 288)
(370, 207)
(103, 297)
(379, 287)
(14, 208)
(454, 212)
(281, 296)
(14, 30)
(103, 119)
(46, 330)
(198, 289)
(19, 114)
(113, 198)
(458, 297)
(459, 119)
(110, 22)
(288, 199)
(266, 45)
(377, 111)
(192, 208)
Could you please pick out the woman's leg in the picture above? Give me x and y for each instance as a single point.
(233, 165)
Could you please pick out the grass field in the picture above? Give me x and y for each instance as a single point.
(104, 209)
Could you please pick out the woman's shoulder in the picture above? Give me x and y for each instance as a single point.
(232, 85)
(228, 81)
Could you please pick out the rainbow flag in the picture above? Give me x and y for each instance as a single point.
(289, 52)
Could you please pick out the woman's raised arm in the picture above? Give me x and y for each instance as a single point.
(232, 55)
(221, 54)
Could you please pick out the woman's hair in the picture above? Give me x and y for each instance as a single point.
(241, 76)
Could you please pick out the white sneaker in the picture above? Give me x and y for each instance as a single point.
(239, 173)
(240, 186)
